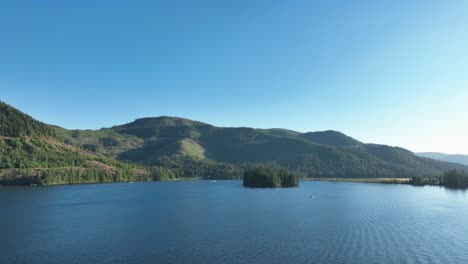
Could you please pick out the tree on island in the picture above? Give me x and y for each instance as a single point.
(418, 180)
(267, 177)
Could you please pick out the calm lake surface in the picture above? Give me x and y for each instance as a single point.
(222, 222)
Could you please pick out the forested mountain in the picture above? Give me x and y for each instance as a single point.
(457, 158)
(171, 147)
(34, 152)
(332, 138)
(316, 154)
(14, 123)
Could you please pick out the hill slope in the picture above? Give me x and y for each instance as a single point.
(34, 152)
(14, 123)
(168, 147)
(316, 154)
(456, 158)
(332, 138)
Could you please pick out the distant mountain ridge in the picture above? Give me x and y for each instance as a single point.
(457, 158)
(184, 146)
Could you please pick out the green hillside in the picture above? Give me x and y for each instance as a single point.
(171, 147)
(315, 154)
(106, 142)
(34, 152)
(14, 123)
(332, 138)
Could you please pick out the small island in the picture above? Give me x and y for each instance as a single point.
(266, 177)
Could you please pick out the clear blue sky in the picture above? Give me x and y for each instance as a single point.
(393, 72)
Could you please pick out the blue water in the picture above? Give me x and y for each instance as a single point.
(222, 222)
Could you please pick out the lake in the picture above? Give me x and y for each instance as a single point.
(222, 222)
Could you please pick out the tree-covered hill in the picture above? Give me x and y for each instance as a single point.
(171, 147)
(14, 123)
(332, 138)
(316, 154)
(34, 152)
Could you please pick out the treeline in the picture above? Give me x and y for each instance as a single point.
(55, 176)
(186, 167)
(95, 172)
(341, 164)
(169, 168)
(455, 179)
(268, 177)
(79, 175)
(14, 123)
(451, 179)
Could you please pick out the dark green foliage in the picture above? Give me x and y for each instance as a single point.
(186, 167)
(104, 142)
(33, 153)
(418, 180)
(270, 177)
(109, 142)
(162, 174)
(89, 147)
(451, 179)
(71, 175)
(38, 153)
(331, 138)
(455, 179)
(280, 132)
(14, 123)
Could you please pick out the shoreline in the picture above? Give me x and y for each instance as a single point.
(334, 179)
(363, 180)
